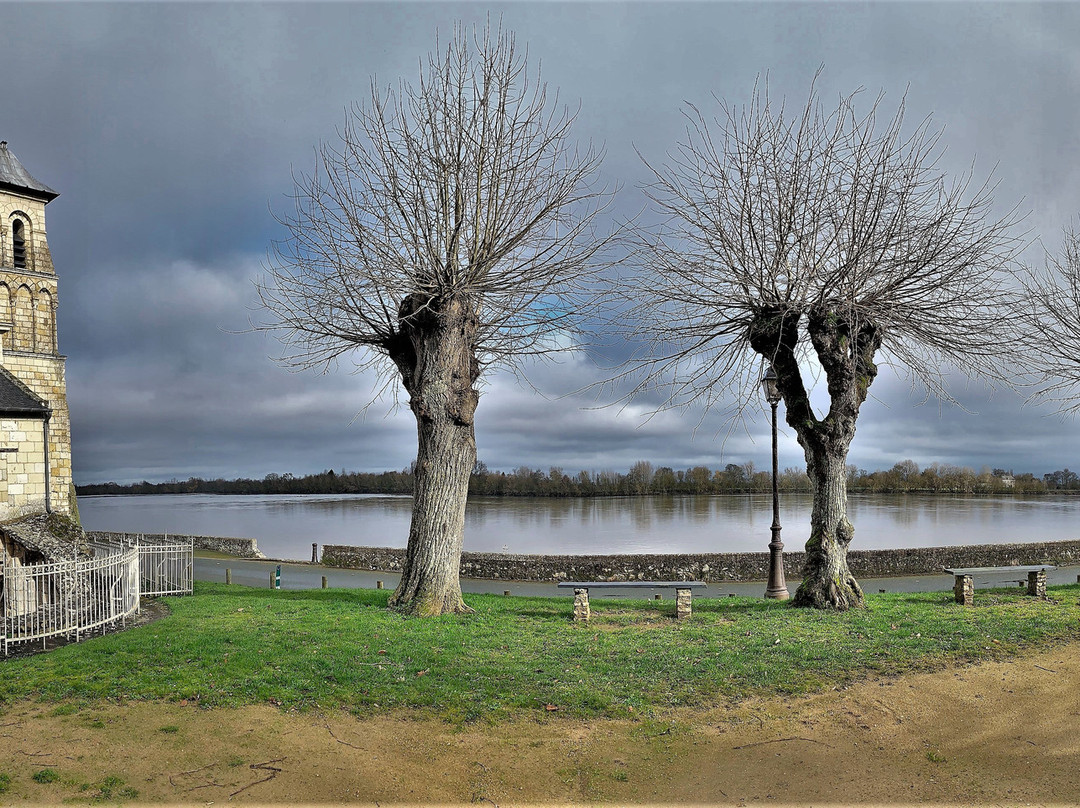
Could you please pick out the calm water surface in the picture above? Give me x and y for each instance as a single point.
(286, 526)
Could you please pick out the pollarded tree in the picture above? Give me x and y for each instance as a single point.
(450, 232)
(827, 236)
(1053, 327)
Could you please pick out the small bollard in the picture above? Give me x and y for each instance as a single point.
(658, 596)
(314, 552)
(324, 582)
(277, 578)
(378, 584)
(271, 579)
(881, 591)
(228, 575)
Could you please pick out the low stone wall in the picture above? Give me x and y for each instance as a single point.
(241, 548)
(712, 566)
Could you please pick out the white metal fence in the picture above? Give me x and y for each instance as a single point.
(165, 565)
(74, 597)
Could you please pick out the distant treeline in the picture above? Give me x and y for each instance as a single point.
(641, 479)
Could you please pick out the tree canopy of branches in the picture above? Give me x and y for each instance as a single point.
(1053, 326)
(831, 236)
(450, 231)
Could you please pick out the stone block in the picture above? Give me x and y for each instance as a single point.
(964, 590)
(682, 604)
(1036, 586)
(581, 604)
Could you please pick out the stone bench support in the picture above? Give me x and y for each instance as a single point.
(1037, 584)
(683, 596)
(964, 588)
(581, 604)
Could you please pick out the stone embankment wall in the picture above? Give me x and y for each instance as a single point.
(241, 548)
(712, 566)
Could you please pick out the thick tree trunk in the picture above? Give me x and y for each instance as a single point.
(435, 353)
(845, 346)
(828, 583)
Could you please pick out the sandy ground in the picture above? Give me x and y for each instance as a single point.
(999, 733)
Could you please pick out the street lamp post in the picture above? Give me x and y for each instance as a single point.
(777, 588)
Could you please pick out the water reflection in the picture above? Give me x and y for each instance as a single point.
(285, 526)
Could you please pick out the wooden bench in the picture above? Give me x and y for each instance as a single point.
(581, 593)
(964, 587)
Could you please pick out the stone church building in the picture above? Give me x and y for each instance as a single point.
(35, 431)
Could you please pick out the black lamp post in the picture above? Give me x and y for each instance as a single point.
(777, 586)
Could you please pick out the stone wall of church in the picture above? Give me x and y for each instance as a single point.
(28, 303)
(32, 213)
(22, 472)
(44, 375)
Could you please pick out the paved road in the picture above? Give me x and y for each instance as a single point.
(309, 576)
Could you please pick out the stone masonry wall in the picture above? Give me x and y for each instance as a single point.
(44, 375)
(22, 473)
(712, 566)
(241, 548)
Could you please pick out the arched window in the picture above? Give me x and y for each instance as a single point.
(18, 243)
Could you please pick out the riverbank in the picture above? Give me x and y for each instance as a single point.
(708, 567)
(713, 567)
(212, 567)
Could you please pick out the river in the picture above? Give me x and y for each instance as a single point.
(286, 526)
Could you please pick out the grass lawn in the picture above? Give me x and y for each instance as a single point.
(233, 645)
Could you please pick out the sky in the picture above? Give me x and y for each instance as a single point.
(172, 132)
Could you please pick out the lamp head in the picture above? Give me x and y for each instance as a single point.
(769, 384)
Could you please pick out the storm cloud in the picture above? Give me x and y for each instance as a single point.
(172, 131)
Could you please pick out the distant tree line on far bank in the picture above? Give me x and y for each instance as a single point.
(642, 479)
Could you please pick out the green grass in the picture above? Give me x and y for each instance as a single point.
(111, 789)
(232, 645)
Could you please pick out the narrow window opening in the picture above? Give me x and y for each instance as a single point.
(18, 243)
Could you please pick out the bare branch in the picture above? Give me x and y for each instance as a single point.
(839, 211)
(1052, 320)
(466, 185)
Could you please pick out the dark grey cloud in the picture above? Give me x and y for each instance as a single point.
(170, 128)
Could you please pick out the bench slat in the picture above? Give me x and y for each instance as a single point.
(999, 570)
(631, 584)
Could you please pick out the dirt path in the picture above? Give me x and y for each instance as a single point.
(1000, 733)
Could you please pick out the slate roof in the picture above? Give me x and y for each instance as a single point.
(14, 176)
(16, 398)
(34, 534)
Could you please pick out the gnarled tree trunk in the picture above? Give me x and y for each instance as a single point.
(436, 354)
(845, 346)
(828, 584)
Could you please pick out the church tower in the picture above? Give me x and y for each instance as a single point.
(35, 431)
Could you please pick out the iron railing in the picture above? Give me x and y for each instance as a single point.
(165, 565)
(74, 597)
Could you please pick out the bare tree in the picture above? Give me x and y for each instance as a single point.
(450, 232)
(825, 235)
(1053, 326)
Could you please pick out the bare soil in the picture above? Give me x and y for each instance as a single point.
(997, 733)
